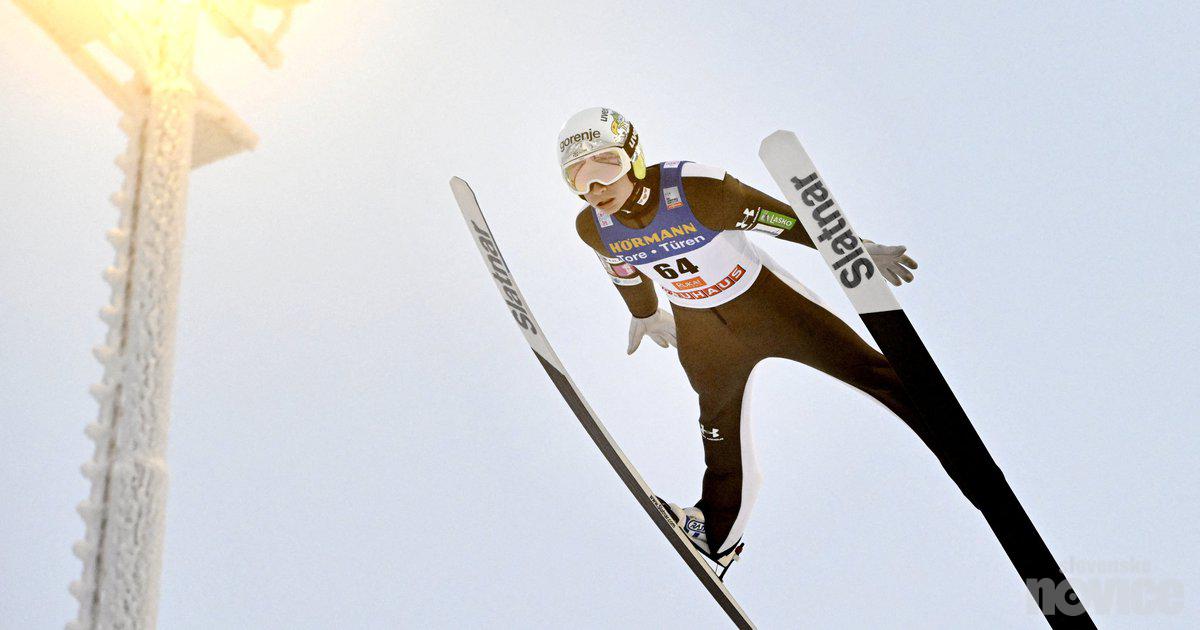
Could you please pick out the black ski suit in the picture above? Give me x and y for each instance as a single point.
(719, 347)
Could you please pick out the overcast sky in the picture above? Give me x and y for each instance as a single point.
(360, 437)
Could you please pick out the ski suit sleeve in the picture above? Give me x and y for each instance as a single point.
(721, 202)
(635, 288)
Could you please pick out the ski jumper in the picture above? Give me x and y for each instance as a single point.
(734, 307)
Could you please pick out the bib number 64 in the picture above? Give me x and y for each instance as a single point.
(683, 265)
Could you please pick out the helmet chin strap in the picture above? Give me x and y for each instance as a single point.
(638, 197)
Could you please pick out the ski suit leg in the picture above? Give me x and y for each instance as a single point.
(808, 333)
(719, 349)
(819, 339)
(719, 367)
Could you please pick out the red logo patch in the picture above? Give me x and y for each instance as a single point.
(709, 291)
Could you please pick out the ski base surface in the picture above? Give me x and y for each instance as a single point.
(519, 309)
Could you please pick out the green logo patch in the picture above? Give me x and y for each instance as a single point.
(766, 217)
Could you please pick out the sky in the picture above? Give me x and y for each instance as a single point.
(360, 437)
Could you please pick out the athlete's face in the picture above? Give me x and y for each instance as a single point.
(608, 199)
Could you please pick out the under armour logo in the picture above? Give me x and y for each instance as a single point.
(747, 220)
(713, 435)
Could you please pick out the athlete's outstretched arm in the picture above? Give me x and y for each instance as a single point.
(721, 202)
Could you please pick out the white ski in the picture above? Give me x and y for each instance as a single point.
(519, 309)
(960, 447)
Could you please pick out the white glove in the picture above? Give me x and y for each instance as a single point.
(891, 261)
(660, 327)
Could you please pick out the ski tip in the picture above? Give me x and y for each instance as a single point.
(782, 135)
(460, 188)
(462, 192)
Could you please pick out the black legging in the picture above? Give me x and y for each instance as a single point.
(719, 348)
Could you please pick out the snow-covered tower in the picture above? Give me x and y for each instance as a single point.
(174, 124)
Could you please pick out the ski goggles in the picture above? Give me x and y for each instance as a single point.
(602, 167)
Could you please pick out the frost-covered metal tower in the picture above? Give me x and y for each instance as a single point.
(174, 124)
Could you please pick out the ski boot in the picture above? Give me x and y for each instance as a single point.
(691, 521)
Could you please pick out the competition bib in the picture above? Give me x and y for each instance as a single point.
(695, 266)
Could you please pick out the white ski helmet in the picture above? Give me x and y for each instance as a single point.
(589, 134)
